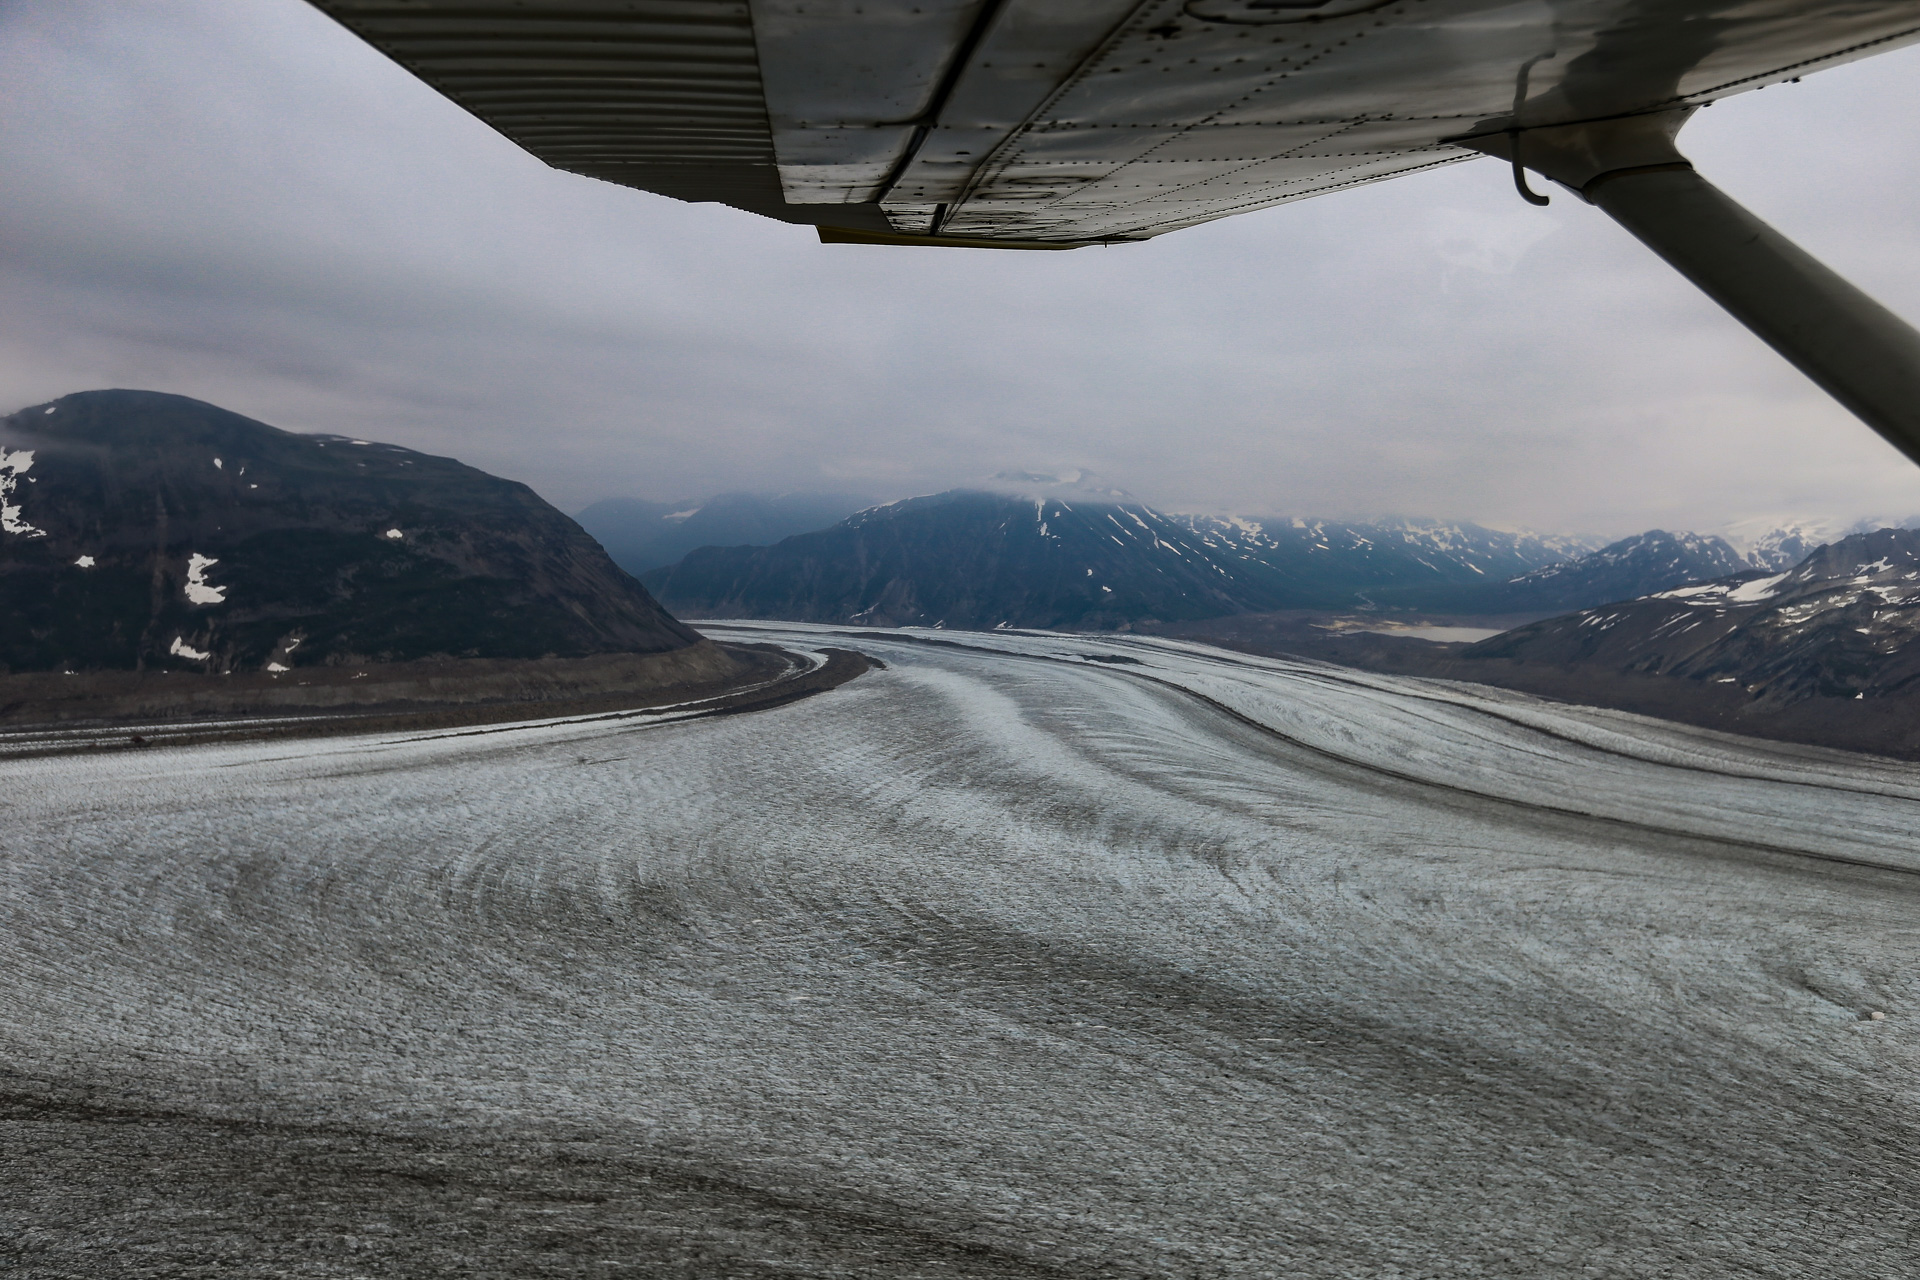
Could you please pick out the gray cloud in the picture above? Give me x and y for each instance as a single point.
(244, 203)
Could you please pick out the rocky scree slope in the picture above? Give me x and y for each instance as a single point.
(140, 530)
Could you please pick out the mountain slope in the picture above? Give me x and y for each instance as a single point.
(1778, 546)
(1384, 563)
(1636, 566)
(1842, 624)
(641, 535)
(148, 530)
(976, 560)
(980, 560)
(1827, 653)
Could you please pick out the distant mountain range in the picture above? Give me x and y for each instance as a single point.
(1782, 545)
(1382, 563)
(971, 559)
(1827, 652)
(974, 560)
(1841, 624)
(642, 535)
(141, 531)
(1647, 562)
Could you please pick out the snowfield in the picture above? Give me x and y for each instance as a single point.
(1030, 955)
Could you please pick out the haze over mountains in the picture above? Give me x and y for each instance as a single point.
(975, 560)
(1782, 544)
(642, 535)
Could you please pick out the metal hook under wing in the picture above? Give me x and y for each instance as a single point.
(1859, 352)
(1527, 193)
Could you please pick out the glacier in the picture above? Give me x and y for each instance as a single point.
(1027, 955)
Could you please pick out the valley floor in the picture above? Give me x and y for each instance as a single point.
(1026, 955)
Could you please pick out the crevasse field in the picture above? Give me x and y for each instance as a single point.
(1029, 955)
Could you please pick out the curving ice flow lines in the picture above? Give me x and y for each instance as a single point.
(1022, 955)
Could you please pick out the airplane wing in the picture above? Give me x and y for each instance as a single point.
(1052, 124)
(1074, 121)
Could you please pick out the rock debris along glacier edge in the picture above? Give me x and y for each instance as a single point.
(1107, 955)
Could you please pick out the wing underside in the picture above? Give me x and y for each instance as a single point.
(1066, 122)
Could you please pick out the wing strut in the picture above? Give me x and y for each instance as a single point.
(1859, 352)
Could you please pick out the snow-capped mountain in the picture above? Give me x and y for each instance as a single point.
(975, 559)
(1388, 561)
(1636, 566)
(970, 559)
(1842, 624)
(1782, 544)
(141, 530)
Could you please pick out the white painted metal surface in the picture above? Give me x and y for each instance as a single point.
(1074, 121)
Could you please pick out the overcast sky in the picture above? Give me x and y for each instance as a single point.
(237, 200)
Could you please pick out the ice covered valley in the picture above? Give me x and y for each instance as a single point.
(1028, 955)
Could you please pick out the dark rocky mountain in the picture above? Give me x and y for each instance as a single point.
(642, 535)
(1842, 624)
(142, 530)
(970, 559)
(974, 560)
(1826, 653)
(1636, 566)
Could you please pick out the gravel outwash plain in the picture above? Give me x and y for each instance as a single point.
(1027, 955)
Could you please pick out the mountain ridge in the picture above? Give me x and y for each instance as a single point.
(981, 559)
(1842, 623)
(1825, 653)
(142, 530)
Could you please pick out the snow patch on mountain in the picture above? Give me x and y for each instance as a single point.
(181, 649)
(12, 466)
(199, 591)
